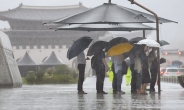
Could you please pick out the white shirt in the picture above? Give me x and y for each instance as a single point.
(81, 58)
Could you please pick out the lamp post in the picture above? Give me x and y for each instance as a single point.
(157, 33)
(109, 1)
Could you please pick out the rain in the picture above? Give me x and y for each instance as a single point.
(89, 54)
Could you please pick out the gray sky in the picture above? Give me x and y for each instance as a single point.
(170, 9)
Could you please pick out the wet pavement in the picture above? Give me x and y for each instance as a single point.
(65, 97)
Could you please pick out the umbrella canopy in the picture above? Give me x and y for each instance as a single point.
(104, 14)
(96, 47)
(105, 27)
(163, 42)
(149, 43)
(135, 40)
(119, 49)
(78, 46)
(116, 41)
(148, 16)
(109, 13)
(162, 60)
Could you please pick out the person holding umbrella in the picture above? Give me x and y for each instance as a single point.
(81, 67)
(144, 56)
(133, 73)
(77, 49)
(117, 60)
(98, 63)
(117, 54)
(101, 68)
(153, 69)
(138, 70)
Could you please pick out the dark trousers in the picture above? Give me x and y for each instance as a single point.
(100, 76)
(134, 79)
(114, 82)
(153, 79)
(81, 68)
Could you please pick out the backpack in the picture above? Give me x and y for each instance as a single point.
(124, 68)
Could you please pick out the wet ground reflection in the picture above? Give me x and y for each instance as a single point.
(65, 97)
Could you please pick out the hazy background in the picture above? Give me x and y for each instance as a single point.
(169, 9)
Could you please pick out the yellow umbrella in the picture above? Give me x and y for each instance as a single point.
(119, 49)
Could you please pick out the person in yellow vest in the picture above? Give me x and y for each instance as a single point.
(110, 72)
(128, 77)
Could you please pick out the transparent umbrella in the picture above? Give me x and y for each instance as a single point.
(149, 42)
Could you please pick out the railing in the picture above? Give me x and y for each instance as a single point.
(169, 79)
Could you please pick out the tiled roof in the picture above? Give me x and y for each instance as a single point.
(32, 37)
(42, 13)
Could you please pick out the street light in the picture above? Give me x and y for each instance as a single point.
(157, 31)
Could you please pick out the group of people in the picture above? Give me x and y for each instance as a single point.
(99, 64)
(143, 66)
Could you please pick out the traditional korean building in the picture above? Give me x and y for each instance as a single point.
(27, 32)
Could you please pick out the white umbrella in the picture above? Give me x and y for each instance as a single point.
(149, 42)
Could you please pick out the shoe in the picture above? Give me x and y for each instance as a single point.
(144, 93)
(121, 92)
(134, 92)
(81, 92)
(102, 92)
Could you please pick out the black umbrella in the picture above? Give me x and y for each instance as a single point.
(116, 41)
(78, 46)
(162, 60)
(163, 42)
(97, 47)
(135, 40)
